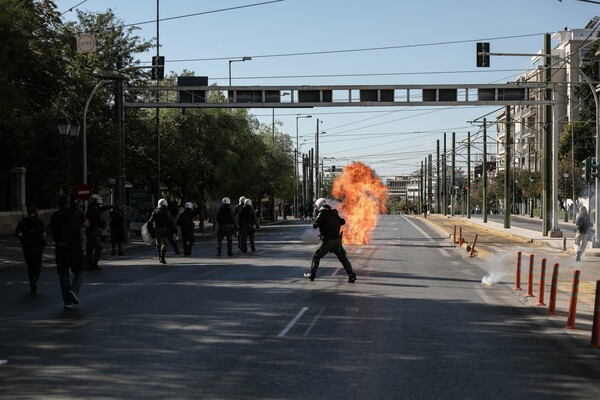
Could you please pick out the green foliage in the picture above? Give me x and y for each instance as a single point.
(204, 153)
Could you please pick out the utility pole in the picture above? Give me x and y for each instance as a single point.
(484, 208)
(429, 184)
(421, 189)
(469, 176)
(507, 158)
(547, 143)
(437, 179)
(444, 178)
(453, 178)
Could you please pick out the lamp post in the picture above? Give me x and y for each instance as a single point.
(296, 165)
(531, 199)
(70, 129)
(566, 176)
(317, 168)
(237, 60)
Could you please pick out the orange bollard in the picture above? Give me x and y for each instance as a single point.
(573, 300)
(454, 235)
(518, 274)
(553, 289)
(530, 277)
(472, 253)
(596, 324)
(542, 284)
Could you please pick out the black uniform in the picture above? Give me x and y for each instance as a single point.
(186, 222)
(247, 221)
(227, 227)
(161, 224)
(31, 233)
(329, 223)
(117, 230)
(93, 236)
(66, 226)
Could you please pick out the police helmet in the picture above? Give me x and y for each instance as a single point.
(163, 203)
(226, 200)
(96, 199)
(189, 205)
(320, 203)
(248, 202)
(242, 200)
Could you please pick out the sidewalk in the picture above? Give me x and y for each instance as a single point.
(502, 245)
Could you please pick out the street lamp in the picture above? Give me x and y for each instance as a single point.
(317, 167)
(237, 60)
(70, 129)
(566, 175)
(296, 166)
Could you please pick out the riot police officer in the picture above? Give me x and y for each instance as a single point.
(227, 226)
(93, 234)
(329, 223)
(186, 222)
(161, 224)
(247, 221)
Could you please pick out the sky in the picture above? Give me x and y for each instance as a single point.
(351, 42)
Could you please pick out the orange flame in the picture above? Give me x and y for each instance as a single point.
(363, 197)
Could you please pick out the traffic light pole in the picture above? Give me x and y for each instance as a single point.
(507, 162)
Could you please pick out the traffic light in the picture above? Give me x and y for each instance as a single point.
(333, 168)
(587, 169)
(593, 168)
(483, 60)
(158, 70)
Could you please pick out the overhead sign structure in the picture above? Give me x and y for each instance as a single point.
(524, 94)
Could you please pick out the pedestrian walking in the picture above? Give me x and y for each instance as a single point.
(161, 225)
(65, 225)
(584, 229)
(116, 221)
(227, 226)
(93, 234)
(32, 235)
(301, 211)
(247, 222)
(186, 222)
(329, 223)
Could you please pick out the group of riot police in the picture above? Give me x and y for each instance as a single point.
(240, 221)
(68, 223)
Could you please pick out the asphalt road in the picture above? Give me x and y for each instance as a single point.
(522, 221)
(417, 324)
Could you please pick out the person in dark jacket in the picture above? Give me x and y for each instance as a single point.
(247, 222)
(236, 212)
(227, 226)
(116, 221)
(32, 235)
(93, 234)
(161, 224)
(329, 223)
(66, 224)
(186, 222)
(583, 227)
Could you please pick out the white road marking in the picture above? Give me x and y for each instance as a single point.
(429, 238)
(292, 322)
(314, 321)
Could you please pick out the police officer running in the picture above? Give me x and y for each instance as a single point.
(93, 234)
(329, 223)
(161, 224)
(186, 222)
(227, 226)
(247, 221)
